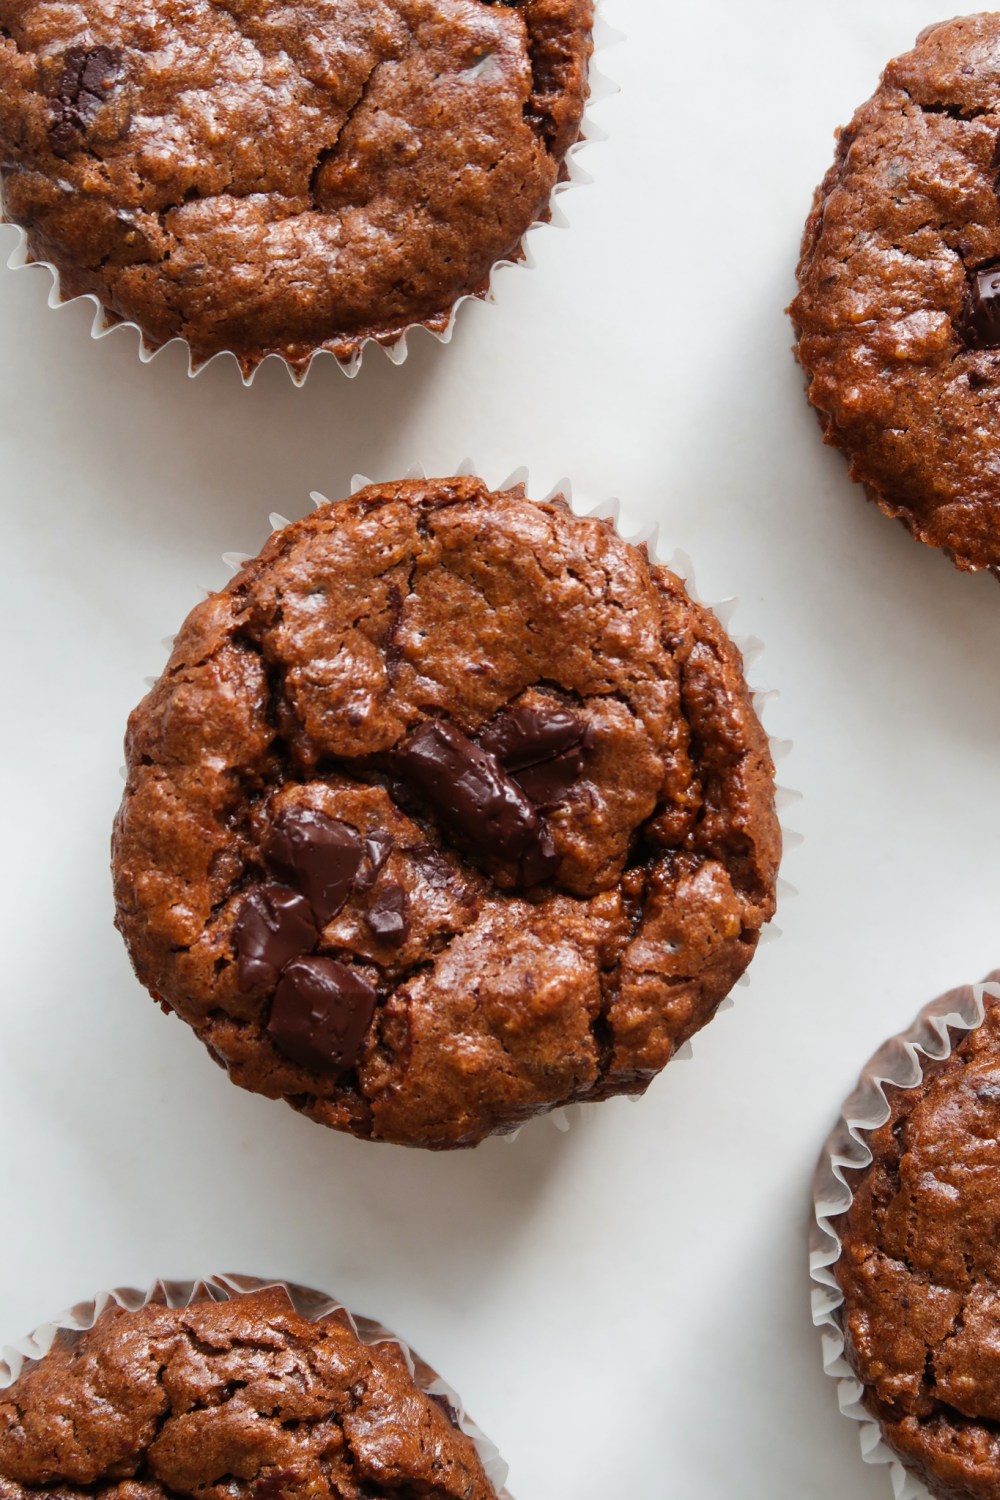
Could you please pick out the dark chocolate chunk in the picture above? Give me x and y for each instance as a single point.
(378, 847)
(388, 915)
(551, 781)
(321, 1014)
(469, 790)
(432, 866)
(320, 854)
(543, 749)
(980, 327)
(524, 736)
(275, 924)
(446, 1406)
(83, 88)
(276, 1485)
(442, 498)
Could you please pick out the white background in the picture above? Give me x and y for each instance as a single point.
(625, 1308)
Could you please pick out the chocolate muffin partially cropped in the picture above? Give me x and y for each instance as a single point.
(237, 1400)
(283, 179)
(920, 1271)
(898, 313)
(449, 810)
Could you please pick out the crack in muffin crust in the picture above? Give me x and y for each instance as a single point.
(238, 1400)
(266, 179)
(901, 352)
(514, 635)
(920, 1273)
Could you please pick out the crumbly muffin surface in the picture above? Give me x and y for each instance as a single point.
(898, 313)
(280, 179)
(920, 1271)
(238, 1400)
(450, 809)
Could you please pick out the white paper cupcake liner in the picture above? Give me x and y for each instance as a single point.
(309, 1304)
(601, 87)
(750, 647)
(899, 1064)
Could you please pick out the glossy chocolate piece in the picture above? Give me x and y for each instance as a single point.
(550, 782)
(378, 847)
(276, 1486)
(387, 916)
(320, 855)
(275, 924)
(544, 749)
(524, 736)
(981, 323)
(321, 1014)
(86, 80)
(469, 790)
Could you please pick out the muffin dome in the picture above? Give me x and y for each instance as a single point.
(449, 810)
(282, 179)
(898, 313)
(241, 1399)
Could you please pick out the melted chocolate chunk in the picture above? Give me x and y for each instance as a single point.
(83, 88)
(274, 1486)
(544, 750)
(275, 924)
(524, 736)
(447, 1407)
(321, 1014)
(320, 855)
(432, 866)
(387, 917)
(551, 781)
(470, 791)
(980, 326)
(378, 847)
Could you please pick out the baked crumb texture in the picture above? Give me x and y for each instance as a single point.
(449, 810)
(281, 179)
(236, 1400)
(920, 1271)
(898, 313)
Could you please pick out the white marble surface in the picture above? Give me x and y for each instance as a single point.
(625, 1307)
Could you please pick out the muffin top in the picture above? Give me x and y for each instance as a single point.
(450, 809)
(898, 316)
(920, 1270)
(236, 1400)
(279, 179)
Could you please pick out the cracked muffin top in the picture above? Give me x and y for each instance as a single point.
(448, 810)
(898, 313)
(236, 1400)
(279, 179)
(920, 1271)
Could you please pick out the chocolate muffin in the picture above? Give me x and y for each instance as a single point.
(242, 1399)
(279, 180)
(898, 313)
(920, 1270)
(449, 810)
